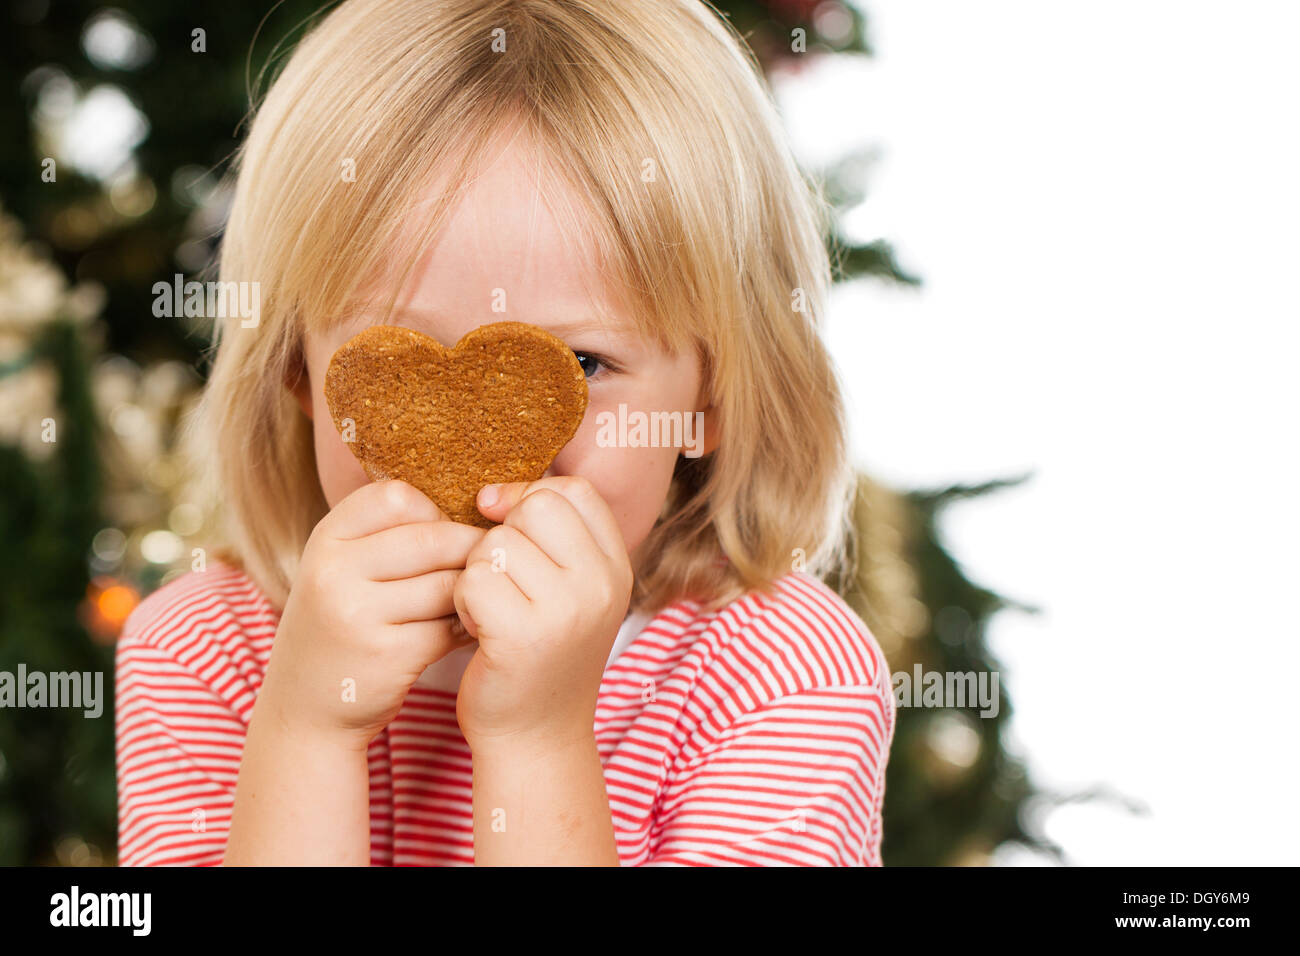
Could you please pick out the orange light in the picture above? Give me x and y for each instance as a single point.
(116, 603)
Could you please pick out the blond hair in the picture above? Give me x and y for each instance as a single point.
(655, 113)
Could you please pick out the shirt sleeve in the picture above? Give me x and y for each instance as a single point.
(178, 745)
(799, 781)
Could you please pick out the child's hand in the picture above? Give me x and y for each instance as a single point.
(544, 593)
(370, 608)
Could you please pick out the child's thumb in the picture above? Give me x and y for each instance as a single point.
(495, 501)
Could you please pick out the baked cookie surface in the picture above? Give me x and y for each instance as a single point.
(496, 408)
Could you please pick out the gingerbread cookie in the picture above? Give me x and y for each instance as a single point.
(498, 407)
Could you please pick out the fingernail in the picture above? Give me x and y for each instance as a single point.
(489, 495)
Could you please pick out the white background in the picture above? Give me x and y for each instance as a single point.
(1102, 200)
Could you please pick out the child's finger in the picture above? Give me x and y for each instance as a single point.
(547, 518)
(422, 598)
(434, 640)
(417, 548)
(509, 551)
(488, 602)
(379, 505)
(577, 491)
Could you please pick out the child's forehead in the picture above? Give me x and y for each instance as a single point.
(507, 238)
(449, 291)
(511, 214)
(511, 230)
(449, 327)
(514, 242)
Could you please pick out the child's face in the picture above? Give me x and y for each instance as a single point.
(502, 237)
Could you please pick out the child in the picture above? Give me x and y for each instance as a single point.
(639, 665)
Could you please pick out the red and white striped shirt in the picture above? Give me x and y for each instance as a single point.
(756, 735)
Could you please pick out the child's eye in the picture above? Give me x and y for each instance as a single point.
(593, 365)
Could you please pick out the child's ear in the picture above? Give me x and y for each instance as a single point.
(298, 382)
(712, 431)
(712, 427)
(705, 403)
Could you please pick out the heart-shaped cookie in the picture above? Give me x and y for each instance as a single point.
(498, 407)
